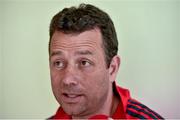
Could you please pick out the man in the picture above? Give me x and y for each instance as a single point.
(84, 63)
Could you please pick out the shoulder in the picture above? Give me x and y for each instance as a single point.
(138, 110)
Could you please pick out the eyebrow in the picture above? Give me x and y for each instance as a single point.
(56, 53)
(85, 52)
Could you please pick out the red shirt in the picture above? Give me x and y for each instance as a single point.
(128, 108)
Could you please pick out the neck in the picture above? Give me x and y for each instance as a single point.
(110, 105)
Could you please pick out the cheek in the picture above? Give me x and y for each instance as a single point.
(97, 86)
(96, 82)
(54, 77)
(55, 81)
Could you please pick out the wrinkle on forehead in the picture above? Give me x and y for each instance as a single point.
(90, 39)
(65, 45)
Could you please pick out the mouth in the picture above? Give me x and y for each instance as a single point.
(71, 98)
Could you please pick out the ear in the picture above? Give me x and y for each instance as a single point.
(114, 67)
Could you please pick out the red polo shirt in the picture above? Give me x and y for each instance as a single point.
(128, 108)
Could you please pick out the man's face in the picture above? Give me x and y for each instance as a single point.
(80, 79)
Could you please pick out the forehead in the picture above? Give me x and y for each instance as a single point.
(89, 39)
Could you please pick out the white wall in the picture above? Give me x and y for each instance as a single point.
(148, 33)
(1, 96)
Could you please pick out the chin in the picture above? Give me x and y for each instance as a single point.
(70, 108)
(73, 110)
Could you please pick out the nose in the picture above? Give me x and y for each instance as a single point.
(70, 76)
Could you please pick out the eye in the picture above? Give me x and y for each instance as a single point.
(58, 64)
(84, 63)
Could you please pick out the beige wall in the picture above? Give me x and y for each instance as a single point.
(148, 33)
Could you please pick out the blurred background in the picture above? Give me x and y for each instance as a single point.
(148, 33)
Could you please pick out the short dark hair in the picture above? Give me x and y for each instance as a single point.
(87, 17)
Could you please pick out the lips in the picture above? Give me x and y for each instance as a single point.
(71, 98)
(71, 95)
